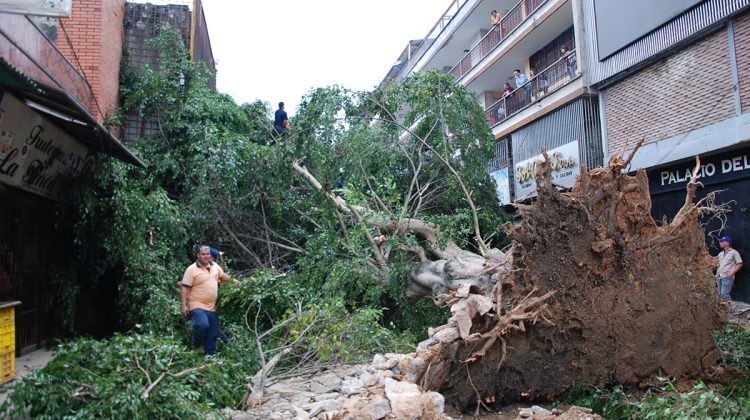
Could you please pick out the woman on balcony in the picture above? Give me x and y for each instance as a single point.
(569, 60)
(507, 89)
(496, 19)
(502, 113)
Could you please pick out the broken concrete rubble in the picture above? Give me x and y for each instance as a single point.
(349, 392)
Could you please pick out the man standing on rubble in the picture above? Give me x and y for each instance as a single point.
(730, 263)
(200, 287)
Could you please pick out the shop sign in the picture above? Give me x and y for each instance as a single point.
(36, 155)
(56, 8)
(503, 185)
(565, 168)
(714, 169)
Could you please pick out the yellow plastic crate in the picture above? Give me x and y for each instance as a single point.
(7, 366)
(7, 338)
(7, 316)
(7, 341)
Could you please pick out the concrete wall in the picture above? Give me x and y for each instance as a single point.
(742, 46)
(685, 91)
(201, 42)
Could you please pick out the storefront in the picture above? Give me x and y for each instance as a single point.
(571, 135)
(726, 171)
(46, 138)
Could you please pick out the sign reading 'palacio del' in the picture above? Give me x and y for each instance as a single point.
(714, 169)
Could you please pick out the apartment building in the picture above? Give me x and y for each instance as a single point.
(676, 74)
(58, 81)
(555, 109)
(673, 73)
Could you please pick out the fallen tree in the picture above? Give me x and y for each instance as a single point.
(592, 290)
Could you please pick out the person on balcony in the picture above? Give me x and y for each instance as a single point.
(539, 83)
(507, 100)
(497, 19)
(569, 61)
(507, 89)
(522, 80)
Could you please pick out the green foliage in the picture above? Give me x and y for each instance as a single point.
(700, 402)
(333, 331)
(340, 336)
(127, 225)
(609, 403)
(735, 340)
(107, 379)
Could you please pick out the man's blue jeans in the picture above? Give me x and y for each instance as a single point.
(205, 329)
(725, 287)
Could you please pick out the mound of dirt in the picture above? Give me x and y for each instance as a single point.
(593, 292)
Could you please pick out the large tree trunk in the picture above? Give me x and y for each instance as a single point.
(594, 291)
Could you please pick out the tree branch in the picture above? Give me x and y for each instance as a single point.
(239, 243)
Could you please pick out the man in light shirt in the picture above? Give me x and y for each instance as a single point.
(730, 262)
(522, 80)
(200, 288)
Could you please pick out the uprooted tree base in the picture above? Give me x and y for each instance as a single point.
(592, 291)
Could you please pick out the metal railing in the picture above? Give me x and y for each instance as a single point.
(26, 48)
(423, 46)
(557, 75)
(512, 20)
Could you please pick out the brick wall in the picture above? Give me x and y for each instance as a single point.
(113, 13)
(682, 92)
(742, 47)
(92, 42)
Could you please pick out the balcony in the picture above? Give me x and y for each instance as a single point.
(558, 74)
(518, 14)
(417, 48)
(26, 48)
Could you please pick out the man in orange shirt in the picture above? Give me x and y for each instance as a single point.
(200, 287)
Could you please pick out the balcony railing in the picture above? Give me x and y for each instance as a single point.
(557, 75)
(512, 20)
(26, 48)
(419, 51)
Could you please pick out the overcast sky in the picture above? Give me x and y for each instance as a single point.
(277, 51)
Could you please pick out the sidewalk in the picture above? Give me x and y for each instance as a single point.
(27, 364)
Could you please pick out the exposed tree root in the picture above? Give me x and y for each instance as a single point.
(592, 291)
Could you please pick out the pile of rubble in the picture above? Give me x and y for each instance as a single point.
(381, 390)
(373, 391)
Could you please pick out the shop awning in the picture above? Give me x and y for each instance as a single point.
(65, 112)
